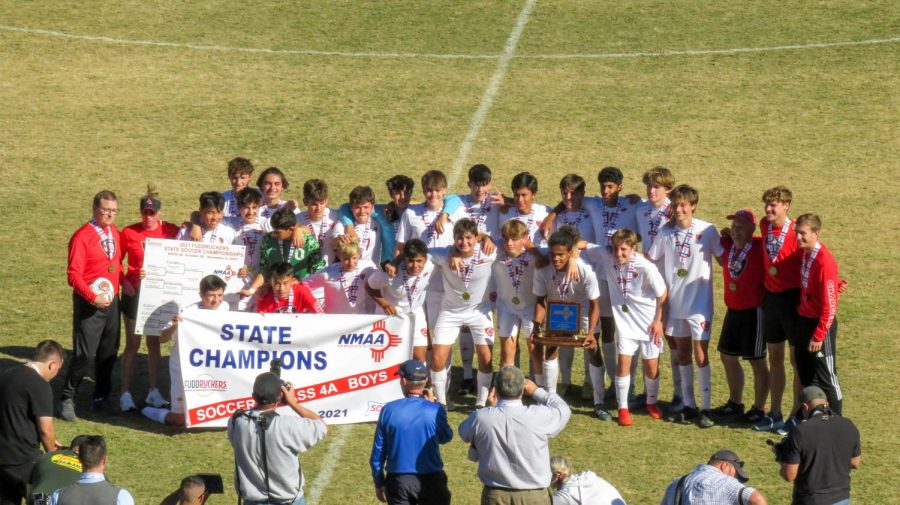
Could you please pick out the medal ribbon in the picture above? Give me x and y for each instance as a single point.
(290, 304)
(364, 238)
(351, 291)
(561, 287)
(515, 272)
(410, 290)
(773, 243)
(428, 235)
(565, 218)
(624, 277)
(609, 220)
(656, 221)
(478, 211)
(291, 250)
(684, 248)
(106, 241)
(736, 263)
(470, 266)
(808, 260)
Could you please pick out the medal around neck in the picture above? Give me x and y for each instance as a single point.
(681, 272)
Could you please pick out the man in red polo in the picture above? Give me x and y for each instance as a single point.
(94, 272)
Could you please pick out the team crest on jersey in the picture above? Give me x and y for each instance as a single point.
(378, 340)
(226, 274)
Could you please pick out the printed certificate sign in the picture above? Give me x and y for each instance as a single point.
(173, 271)
(341, 366)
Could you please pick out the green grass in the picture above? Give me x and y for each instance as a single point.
(78, 116)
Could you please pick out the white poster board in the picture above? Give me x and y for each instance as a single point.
(173, 271)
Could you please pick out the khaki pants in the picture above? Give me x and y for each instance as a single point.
(497, 496)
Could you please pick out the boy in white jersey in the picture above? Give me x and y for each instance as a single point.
(552, 284)
(404, 292)
(249, 235)
(366, 230)
(637, 293)
(272, 183)
(685, 247)
(212, 229)
(318, 217)
(652, 214)
(525, 188)
(239, 172)
(465, 303)
(343, 284)
(514, 281)
(212, 292)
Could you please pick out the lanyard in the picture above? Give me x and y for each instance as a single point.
(808, 260)
(773, 243)
(106, 241)
(736, 262)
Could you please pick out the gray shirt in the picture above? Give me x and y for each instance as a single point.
(287, 436)
(511, 440)
(707, 485)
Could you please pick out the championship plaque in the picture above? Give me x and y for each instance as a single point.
(562, 326)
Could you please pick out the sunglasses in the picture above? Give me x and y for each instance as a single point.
(148, 212)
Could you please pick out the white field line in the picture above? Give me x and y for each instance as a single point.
(487, 99)
(375, 54)
(329, 462)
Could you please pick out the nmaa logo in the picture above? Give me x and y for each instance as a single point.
(378, 340)
(226, 274)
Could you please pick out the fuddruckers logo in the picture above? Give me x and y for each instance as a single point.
(378, 340)
(205, 385)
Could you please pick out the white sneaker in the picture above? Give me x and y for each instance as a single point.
(126, 402)
(155, 399)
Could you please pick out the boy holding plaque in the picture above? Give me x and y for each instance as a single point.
(685, 248)
(553, 283)
(465, 303)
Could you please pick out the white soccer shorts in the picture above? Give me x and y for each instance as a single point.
(509, 324)
(697, 328)
(628, 346)
(479, 321)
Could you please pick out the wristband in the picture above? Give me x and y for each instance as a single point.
(252, 291)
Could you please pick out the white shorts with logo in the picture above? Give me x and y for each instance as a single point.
(698, 328)
(629, 346)
(480, 322)
(509, 324)
(420, 328)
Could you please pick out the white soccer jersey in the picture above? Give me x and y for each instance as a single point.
(405, 292)
(484, 213)
(343, 292)
(514, 281)
(607, 220)
(552, 284)
(580, 219)
(369, 236)
(533, 220)
(176, 390)
(690, 253)
(636, 286)
(323, 229)
(250, 236)
(418, 222)
(650, 221)
(231, 206)
(221, 234)
(466, 290)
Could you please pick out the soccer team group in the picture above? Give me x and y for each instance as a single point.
(474, 266)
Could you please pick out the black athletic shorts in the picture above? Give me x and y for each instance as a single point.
(780, 315)
(742, 334)
(129, 306)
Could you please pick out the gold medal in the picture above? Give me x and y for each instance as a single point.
(732, 286)
(625, 308)
(682, 272)
(112, 268)
(466, 295)
(773, 271)
(516, 300)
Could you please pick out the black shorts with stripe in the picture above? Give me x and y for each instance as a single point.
(742, 334)
(129, 306)
(780, 315)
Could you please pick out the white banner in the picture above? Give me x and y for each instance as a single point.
(173, 271)
(341, 366)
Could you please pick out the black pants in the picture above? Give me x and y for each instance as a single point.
(819, 368)
(413, 489)
(13, 481)
(95, 341)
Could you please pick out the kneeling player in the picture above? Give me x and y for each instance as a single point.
(212, 292)
(286, 294)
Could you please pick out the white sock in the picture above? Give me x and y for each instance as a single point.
(466, 353)
(609, 359)
(676, 375)
(484, 385)
(687, 385)
(652, 387)
(622, 384)
(705, 382)
(439, 383)
(566, 360)
(551, 374)
(158, 415)
(596, 373)
(539, 380)
(587, 366)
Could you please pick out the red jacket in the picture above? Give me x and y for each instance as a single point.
(819, 299)
(749, 283)
(787, 263)
(88, 261)
(304, 301)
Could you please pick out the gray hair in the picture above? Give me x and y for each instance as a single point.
(510, 382)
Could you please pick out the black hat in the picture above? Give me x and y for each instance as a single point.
(150, 202)
(413, 370)
(735, 460)
(266, 388)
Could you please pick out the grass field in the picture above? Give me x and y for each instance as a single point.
(99, 101)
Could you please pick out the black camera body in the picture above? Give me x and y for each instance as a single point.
(40, 499)
(275, 368)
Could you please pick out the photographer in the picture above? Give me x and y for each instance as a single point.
(819, 453)
(267, 445)
(721, 481)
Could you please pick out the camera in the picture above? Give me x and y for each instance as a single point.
(275, 368)
(40, 499)
(777, 448)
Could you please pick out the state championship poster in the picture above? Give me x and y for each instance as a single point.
(341, 366)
